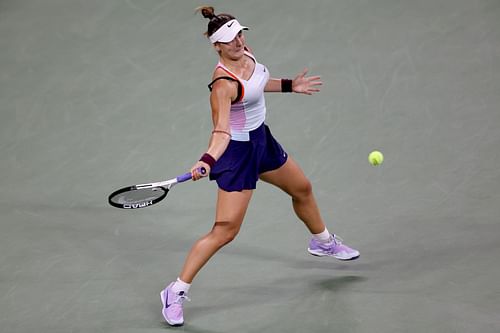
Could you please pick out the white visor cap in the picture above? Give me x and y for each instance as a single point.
(227, 32)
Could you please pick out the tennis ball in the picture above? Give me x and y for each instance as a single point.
(375, 158)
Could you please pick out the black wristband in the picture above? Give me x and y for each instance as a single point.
(286, 85)
(207, 158)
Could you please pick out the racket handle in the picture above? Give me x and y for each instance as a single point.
(188, 175)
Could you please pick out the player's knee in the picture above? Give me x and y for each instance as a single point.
(227, 237)
(303, 190)
(225, 232)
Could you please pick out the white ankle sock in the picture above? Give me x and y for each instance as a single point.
(180, 285)
(323, 237)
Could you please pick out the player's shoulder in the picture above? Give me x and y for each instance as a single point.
(223, 85)
(219, 72)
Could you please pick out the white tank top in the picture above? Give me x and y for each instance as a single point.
(249, 112)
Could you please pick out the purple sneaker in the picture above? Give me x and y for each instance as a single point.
(333, 249)
(172, 306)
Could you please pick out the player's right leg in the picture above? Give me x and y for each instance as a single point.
(230, 212)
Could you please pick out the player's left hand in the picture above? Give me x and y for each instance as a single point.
(308, 85)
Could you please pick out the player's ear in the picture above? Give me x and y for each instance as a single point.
(217, 47)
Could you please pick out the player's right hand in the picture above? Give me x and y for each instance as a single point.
(196, 170)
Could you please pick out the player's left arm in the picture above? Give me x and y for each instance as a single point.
(301, 84)
(273, 85)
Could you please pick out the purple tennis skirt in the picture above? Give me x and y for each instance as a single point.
(243, 161)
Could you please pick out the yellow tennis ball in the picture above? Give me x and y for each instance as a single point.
(375, 158)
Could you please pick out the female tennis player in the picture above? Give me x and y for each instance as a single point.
(241, 151)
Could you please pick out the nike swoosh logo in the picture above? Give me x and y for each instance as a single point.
(229, 25)
(166, 301)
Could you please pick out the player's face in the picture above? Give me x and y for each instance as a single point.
(233, 49)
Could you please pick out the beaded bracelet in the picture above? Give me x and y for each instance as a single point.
(221, 131)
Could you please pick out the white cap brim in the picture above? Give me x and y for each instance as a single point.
(227, 32)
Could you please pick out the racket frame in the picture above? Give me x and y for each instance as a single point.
(163, 185)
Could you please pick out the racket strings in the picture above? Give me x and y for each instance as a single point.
(138, 198)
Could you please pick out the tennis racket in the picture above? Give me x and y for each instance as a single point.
(145, 195)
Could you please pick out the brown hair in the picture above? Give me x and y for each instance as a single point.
(216, 21)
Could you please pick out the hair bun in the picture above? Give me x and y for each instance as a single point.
(207, 12)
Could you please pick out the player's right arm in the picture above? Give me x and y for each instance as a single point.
(223, 93)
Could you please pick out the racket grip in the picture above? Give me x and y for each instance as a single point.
(188, 176)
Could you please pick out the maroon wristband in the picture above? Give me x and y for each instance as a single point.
(207, 158)
(286, 85)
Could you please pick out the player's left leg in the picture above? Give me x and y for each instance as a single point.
(291, 179)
